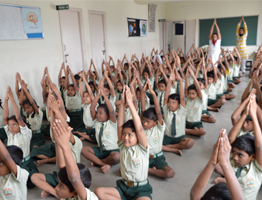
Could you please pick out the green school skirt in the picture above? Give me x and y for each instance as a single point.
(158, 162)
(91, 132)
(47, 150)
(3, 135)
(169, 140)
(29, 166)
(45, 129)
(52, 179)
(206, 112)
(103, 154)
(37, 139)
(76, 119)
(128, 192)
(211, 101)
(192, 125)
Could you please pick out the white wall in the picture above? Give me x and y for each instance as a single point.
(210, 9)
(30, 57)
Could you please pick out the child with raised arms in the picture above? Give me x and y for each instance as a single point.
(18, 134)
(107, 152)
(175, 118)
(134, 153)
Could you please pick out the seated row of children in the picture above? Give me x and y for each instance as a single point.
(96, 121)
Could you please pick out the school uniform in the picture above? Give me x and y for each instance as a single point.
(249, 178)
(147, 101)
(175, 125)
(61, 89)
(194, 112)
(45, 128)
(151, 80)
(14, 187)
(118, 95)
(212, 91)
(219, 86)
(205, 100)
(231, 73)
(242, 132)
(128, 114)
(110, 98)
(52, 178)
(155, 137)
(22, 140)
(134, 164)
(89, 196)
(3, 135)
(225, 84)
(73, 104)
(106, 137)
(236, 71)
(35, 121)
(160, 97)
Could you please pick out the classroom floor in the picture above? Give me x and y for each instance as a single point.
(186, 167)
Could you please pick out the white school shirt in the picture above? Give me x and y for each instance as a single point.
(225, 83)
(89, 196)
(212, 91)
(180, 121)
(109, 136)
(87, 118)
(220, 85)
(74, 102)
(236, 70)
(194, 109)
(214, 50)
(21, 139)
(231, 72)
(134, 162)
(160, 94)
(36, 121)
(155, 136)
(242, 132)
(14, 187)
(111, 99)
(1, 118)
(250, 179)
(204, 98)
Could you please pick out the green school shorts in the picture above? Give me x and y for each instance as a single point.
(47, 150)
(219, 95)
(211, 101)
(52, 179)
(231, 81)
(133, 193)
(76, 119)
(192, 125)
(3, 135)
(237, 77)
(37, 139)
(91, 132)
(169, 140)
(159, 162)
(225, 92)
(30, 166)
(104, 153)
(206, 112)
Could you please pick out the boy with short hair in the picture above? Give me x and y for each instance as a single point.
(13, 178)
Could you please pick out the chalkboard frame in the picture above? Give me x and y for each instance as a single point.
(252, 25)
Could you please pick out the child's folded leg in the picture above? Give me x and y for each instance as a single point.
(105, 193)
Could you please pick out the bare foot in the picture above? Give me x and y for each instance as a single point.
(44, 194)
(219, 180)
(177, 152)
(41, 162)
(105, 168)
(91, 165)
(154, 167)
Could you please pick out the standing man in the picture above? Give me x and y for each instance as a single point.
(241, 39)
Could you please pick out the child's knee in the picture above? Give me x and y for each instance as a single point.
(189, 143)
(223, 101)
(212, 119)
(99, 192)
(115, 157)
(170, 173)
(202, 131)
(35, 177)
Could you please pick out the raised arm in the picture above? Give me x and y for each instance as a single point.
(196, 84)
(73, 79)
(141, 137)
(93, 105)
(6, 109)
(218, 31)
(112, 115)
(211, 30)
(60, 73)
(181, 90)
(168, 87)
(88, 88)
(112, 92)
(121, 115)
(257, 130)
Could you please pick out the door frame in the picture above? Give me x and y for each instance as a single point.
(82, 38)
(104, 28)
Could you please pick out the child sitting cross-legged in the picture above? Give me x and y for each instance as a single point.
(107, 152)
(175, 118)
(154, 128)
(134, 154)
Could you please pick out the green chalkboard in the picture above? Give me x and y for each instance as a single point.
(227, 28)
